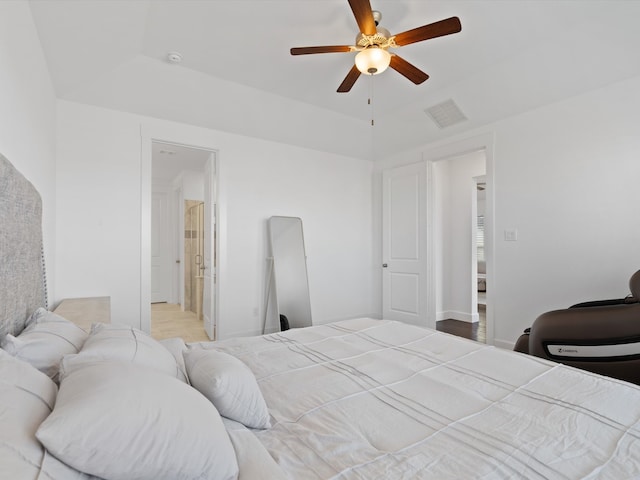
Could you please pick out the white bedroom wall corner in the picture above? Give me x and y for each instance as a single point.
(221, 243)
(375, 285)
(28, 117)
(434, 301)
(145, 229)
(98, 207)
(211, 283)
(583, 155)
(438, 230)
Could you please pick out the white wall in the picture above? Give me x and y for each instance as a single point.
(567, 179)
(192, 185)
(27, 113)
(566, 176)
(99, 215)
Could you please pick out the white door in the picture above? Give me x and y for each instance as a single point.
(404, 244)
(209, 292)
(160, 271)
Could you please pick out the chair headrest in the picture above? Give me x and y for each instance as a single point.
(634, 285)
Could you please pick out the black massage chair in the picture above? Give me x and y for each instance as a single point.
(600, 336)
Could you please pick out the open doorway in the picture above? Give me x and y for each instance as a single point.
(478, 237)
(458, 212)
(182, 242)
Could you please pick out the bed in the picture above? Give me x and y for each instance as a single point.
(354, 399)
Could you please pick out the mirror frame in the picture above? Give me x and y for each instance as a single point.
(287, 298)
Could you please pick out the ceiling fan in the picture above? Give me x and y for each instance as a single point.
(373, 43)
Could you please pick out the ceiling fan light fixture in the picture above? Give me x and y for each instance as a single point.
(373, 60)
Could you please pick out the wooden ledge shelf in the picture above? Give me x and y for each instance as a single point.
(85, 311)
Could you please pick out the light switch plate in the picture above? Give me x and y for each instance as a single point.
(511, 234)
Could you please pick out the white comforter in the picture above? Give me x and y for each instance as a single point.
(369, 399)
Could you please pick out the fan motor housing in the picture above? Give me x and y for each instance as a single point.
(380, 38)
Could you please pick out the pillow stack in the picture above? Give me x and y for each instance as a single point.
(124, 408)
(124, 412)
(136, 423)
(126, 346)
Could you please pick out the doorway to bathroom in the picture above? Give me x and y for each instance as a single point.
(183, 242)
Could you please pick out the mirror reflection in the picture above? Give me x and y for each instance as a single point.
(290, 271)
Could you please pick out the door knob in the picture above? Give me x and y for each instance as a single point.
(384, 265)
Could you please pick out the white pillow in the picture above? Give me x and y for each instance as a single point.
(122, 343)
(136, 424)
(229, 384)
(27, 397)
(46, 339)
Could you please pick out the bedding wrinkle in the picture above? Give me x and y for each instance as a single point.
(280, 446)
(135, 350)
(564, 426)
(573, 406)
(622, 450)
(53, 334)
(292, 345)
(35, 395)
(568, 444)
(481, 437)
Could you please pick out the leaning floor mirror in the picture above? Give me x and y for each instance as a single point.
(290, 271)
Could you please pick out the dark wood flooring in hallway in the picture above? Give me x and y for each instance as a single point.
(473, 331)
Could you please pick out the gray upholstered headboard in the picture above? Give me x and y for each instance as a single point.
(22, 278)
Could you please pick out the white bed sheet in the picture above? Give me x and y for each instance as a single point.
(365, 399)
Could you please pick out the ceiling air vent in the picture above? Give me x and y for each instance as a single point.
(446, 114)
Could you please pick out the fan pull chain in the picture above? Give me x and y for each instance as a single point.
(370, 101)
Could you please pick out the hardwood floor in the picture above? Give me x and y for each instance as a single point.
(168, 320)
(473, 331)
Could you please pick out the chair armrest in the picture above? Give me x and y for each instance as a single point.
(612, 329)
(605, 303)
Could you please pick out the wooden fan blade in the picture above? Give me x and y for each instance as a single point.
(349, 80)
(403, 67)
(364, 17)
(433, 30)
(328, 49)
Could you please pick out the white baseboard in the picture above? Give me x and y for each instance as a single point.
(462, 316)
(505, 344)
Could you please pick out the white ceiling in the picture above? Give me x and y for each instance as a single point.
(237, 74)
(169, 160)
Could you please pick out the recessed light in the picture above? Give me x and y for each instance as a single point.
(174, 57)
